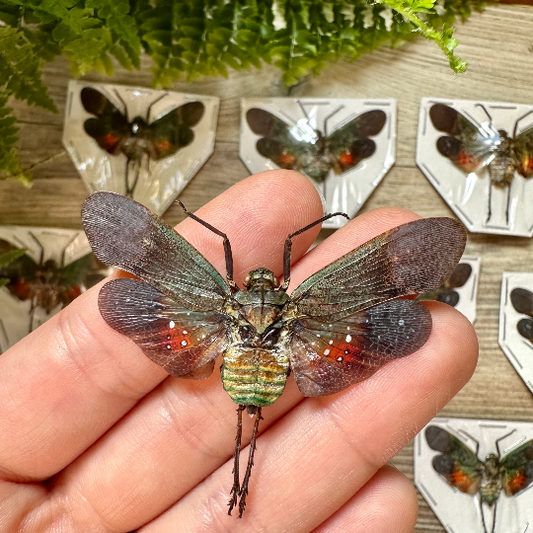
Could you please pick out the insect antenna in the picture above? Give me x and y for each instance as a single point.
(41, 248)
(65, 248)
(149, 111)
(328, 117)
(227, 246)
(500, 439)
(486, 112)
(288, 246)
(243, 492)
(519, 119)
(235, 490)
(123, 104)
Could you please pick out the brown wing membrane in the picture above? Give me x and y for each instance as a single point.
(328, 357)
(411, 259)
(184, 343)
(125, 234)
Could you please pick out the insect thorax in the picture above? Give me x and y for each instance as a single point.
(256, 363)
(491, 480)
(138, 142)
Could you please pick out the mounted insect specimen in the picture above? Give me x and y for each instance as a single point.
(446, 293)
(472, 146)
(461, 468)
(345, 146)
(47, 285)
(308, 150)
(138, 138)
(335, 329)
(522, 300)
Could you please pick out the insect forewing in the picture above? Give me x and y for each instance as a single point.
(464, 145)
(411, 259)
(518, 467)
(173, 130)
(458, 464)
(125, 234)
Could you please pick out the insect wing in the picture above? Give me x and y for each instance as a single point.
(522, 301)
(349, 328)
(350, 143)
(125, 234)
(518, 469)
(110, 127)
(17, 270)
(523, 152)
(183, 342)
(173, 131)
(277, 143)
(327, 358)
(463, 146)
(457, 464)
(411, 259)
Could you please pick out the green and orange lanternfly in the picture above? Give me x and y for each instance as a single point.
(335, 329)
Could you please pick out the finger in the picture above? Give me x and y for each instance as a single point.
(65, 384)
(385, 504)
(324, 450)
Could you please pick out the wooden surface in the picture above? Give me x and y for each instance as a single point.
(498, 47)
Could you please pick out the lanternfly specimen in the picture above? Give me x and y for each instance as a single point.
(335, 329)
(446, 293)
(462, 469)
(303, 148)
(115, 134)
(471, 147)
(47, 284)
(522, 301)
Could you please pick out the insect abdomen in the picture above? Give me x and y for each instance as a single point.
(254, 376)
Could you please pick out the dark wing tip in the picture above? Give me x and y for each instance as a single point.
(444, 117)
(438, 439)
(372, 122)
(92, 100)
(522, 301)
(259, 120)
(192, 113)
(425, 252)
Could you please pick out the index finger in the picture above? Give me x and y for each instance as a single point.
(70, 380)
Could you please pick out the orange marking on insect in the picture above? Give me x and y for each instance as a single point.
(286, 158)
(110, 139)
(164, 145)
(527, 162)
(176, 337)
(517, 482)
(345, 158)
(342, 352)
(22, 289)
(461, 480)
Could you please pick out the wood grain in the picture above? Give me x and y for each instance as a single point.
(496, 45)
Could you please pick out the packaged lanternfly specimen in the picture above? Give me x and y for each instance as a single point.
(139, 142)
(344, 146)
(516, 322)
(477, 475)
(49, 268)
(479, 156)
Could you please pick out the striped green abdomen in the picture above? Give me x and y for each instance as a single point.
(254, 376)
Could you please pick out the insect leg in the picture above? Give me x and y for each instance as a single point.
(236, 455)
(244, 488)
(32, 313)
(519, 119)
(288, 246)
(486, 112)
(227, 246)
(137, 172)
(508, 202)
(490, 202)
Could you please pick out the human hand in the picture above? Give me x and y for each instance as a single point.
(97, 438)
